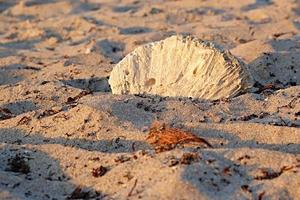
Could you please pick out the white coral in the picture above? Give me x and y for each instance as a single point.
(180, 66)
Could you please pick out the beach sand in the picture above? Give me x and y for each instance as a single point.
(64, 135)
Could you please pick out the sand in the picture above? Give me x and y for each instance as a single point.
(64, 135)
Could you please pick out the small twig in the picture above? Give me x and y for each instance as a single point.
(32, 68)
(290, 104)
(77, 97)
(133, 187)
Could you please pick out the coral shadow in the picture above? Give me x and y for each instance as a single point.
(92, 84)
(281, 66)
(111, 49)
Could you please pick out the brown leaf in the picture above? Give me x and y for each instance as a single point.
(163, 138)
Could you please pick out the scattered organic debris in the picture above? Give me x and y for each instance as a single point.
(245, 188)
(99, 171)
(32, 68)
(291, 104)
(221, 101)
(47, 113)
(247, 117)
(270, 86)
(24, 120)
(71, 100)
(5, 114)
(243, 157)
(117, 142)
(276, 35)
(79, 193)
(122, 159)
(227, 171)
(173, 161)
(133, 187)
(18, 164)
(188, 158)
(163, 138)
(271, 175)
(152, 107)
(95, 159)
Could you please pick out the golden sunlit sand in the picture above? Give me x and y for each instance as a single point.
(65, 135)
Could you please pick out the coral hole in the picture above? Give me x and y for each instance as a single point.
(150, 82)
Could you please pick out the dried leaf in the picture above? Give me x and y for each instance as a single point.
(163, 138)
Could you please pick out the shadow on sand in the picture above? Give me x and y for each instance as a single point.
(281, 66)
(207, 175)
(58, 182)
